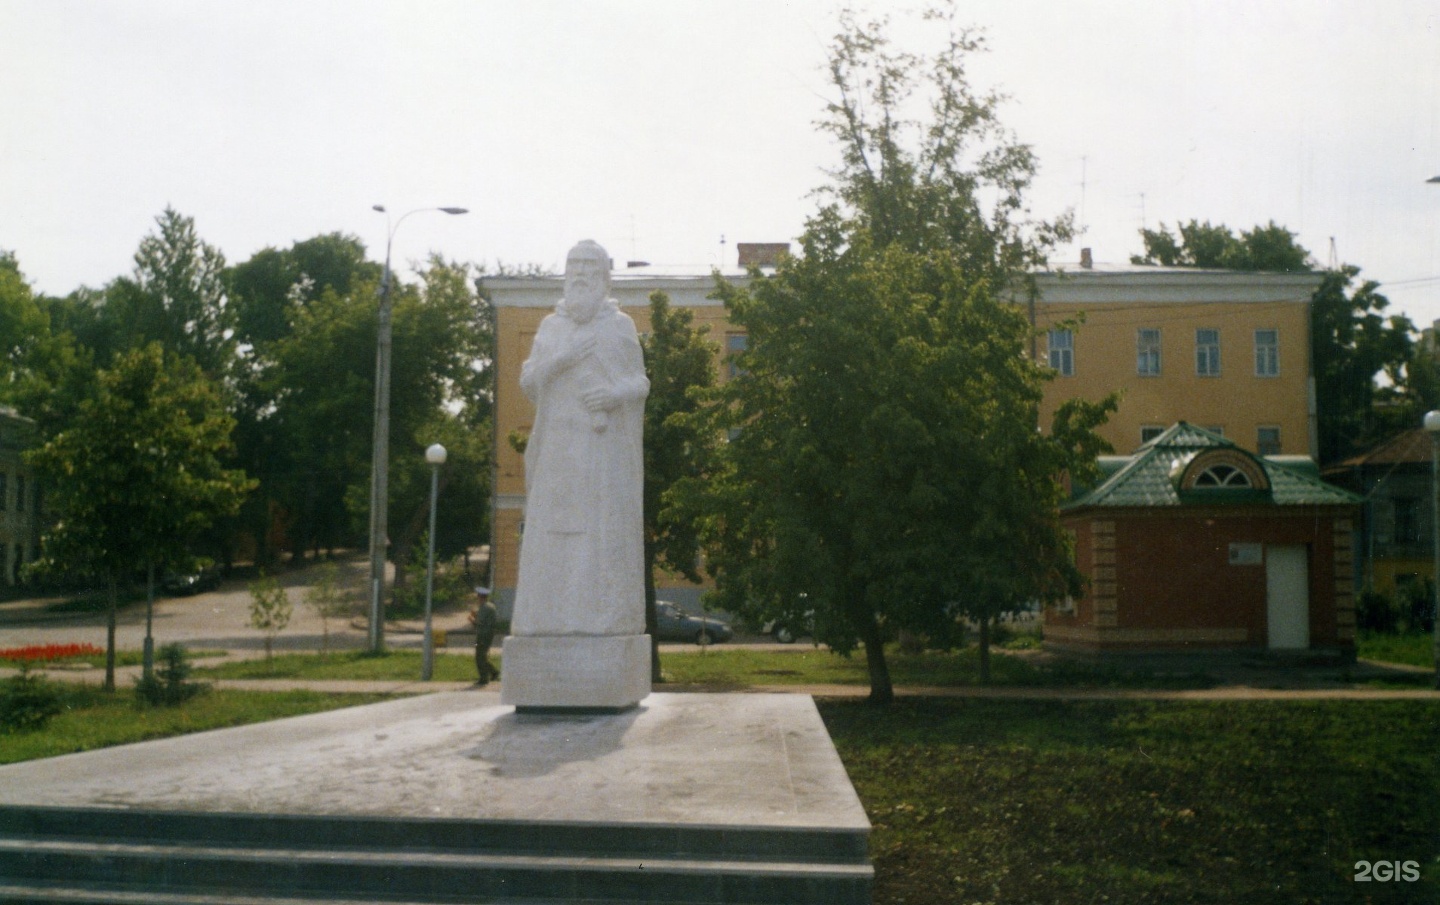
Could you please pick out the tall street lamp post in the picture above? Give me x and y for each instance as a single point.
(435, 456)
(380, 455)
(1432, 427)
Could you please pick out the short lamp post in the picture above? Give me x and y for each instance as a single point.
(1432, 427)
(380, 452)
(435, 457)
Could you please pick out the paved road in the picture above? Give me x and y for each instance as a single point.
(220, 620)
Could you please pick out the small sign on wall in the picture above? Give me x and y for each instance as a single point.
(1247, 554)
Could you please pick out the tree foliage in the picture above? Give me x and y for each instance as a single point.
(177, 297)
(885, 468)
(1352, 343)
(138, 474)
(1269, 247)
(680, 363)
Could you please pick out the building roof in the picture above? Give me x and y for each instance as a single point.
(1168, 472)
(1413, 446)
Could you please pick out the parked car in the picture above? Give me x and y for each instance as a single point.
(186, 583)
(674, 624)
(788, 632)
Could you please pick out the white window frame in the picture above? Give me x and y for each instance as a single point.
(1061, 352)
(1147, 352)
(1267, 354)
(1207, 352)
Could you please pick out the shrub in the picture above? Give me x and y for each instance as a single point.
(27, 701)
(328, 601)
(453, 588)
(1376, 612)
(269, 610)
(168, 686)
(1417, 606)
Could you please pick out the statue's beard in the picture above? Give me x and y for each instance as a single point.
(583, 300)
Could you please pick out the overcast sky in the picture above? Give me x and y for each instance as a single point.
(657, 127)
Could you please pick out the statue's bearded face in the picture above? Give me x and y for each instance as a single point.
(587, 284)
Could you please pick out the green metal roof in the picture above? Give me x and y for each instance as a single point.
(1151, 477)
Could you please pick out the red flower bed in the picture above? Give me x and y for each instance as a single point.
(45, 653)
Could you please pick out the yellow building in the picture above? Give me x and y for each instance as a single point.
(1226, 351)
(1223, 350)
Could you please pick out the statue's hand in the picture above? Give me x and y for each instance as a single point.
(600, 399)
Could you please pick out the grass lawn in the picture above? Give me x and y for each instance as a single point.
(393, 665)
(981, 801)
(738, 667)
(95, 719)
(1413, 648)
(732, 667)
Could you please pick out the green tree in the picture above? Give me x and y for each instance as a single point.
(270, 610)
(328, 601)
(1269, 247)
(680, 363)
(1352, 343)
(137, 475)
(885, 467)
(177, 297)
(266, 288)
(42, 372)
(322, 380)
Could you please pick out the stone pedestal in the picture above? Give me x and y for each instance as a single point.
(575, 672)
(686, 798)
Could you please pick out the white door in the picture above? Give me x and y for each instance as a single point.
(1287, 596)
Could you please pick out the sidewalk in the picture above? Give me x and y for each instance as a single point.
(125, 676)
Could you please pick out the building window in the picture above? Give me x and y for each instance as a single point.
(1267, 441)
(1150, 432)
(1062, 352)
(1222, 476)
(735, 343)
(1407, 520)
(1207, 353)
(1147, 352)
(1267, 353)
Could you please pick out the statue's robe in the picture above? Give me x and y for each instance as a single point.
(581, 553)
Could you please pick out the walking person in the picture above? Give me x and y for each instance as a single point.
(484, 616)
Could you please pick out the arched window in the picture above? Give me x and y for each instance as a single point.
(1221, 475)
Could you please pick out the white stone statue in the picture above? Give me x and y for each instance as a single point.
(580, 600)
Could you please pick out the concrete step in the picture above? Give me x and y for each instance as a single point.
(515, 837)
(15, 894)
(62, 852)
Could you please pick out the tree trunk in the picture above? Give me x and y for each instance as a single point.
(652, 622)
(110, 635)
(985, 649)
(868, 628)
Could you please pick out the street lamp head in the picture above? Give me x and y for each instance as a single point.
(455, 210)
(1432, 421)
(435, 455)
(1434, 179)
(378, 207)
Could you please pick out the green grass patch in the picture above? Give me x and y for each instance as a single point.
(1410, 648)
(740, 667)
(96, 719)
(393, 666)
(737, 667)
(1140, 802)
